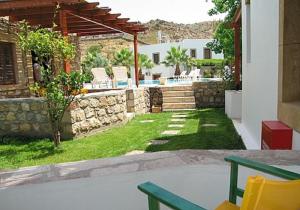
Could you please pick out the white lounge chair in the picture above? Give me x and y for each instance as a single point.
(191, 74)
(181, 76)
(100, 77)
(120, 74)
(197, 74)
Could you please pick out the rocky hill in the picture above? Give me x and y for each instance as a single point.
(174, 32)
(170, 32)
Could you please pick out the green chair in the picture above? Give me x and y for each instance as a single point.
(260, 193)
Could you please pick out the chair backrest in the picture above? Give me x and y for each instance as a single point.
(263, 194)
(120, 73)
(183, 73)
(191, 74)
(197, 72)
(99, 75)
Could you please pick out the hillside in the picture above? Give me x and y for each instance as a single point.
(170, 32)
(173, 31)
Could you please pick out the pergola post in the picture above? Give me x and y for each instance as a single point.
(237, 52)
(136, 59)
(64, 30)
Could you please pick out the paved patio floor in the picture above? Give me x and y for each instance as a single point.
(110, 184)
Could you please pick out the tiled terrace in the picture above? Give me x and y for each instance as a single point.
(110, 184)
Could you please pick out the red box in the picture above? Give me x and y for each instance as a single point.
(276, 135)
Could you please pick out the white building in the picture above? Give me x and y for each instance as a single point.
(271, 66)
(196, 48)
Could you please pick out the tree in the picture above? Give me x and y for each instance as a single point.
(57, 87)
(224, 35)
(124, 58)
(94, 59)
(144, 62)
(175, 58)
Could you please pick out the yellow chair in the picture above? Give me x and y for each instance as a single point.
(263, 194)
(260, 193)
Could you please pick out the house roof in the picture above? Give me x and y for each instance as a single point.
(81, 17)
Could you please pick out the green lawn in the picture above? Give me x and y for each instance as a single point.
(133, 136)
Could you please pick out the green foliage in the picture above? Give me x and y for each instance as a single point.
(44, 43)
(176, 57)
(125, 58)
(58, 87)
(145, 62)
(224, 34)
(228, 78)
(94, 59)
(219, 63)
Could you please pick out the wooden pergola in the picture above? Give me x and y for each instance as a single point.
(236, 24)
(74, 17)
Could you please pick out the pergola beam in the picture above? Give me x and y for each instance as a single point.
(8, 5)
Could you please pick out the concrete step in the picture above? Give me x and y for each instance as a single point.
(179, 99)
(178, 106)
(177, 88)
(182, 93)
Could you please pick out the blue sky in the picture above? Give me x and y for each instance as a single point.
(179, 11)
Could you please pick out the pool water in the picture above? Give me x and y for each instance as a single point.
(169, 82)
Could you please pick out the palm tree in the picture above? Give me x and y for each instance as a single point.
(176, 57)
(144, 62)
(124, 58)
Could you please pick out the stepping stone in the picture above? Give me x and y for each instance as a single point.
(147, 121)
(209, 125)
(175, 126)
(171, 132)
(178, 120)
(158, 142)
(135, 152)
(179, 116)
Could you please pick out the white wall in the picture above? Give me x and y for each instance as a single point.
(260, 68)
(162, 49)
(260, 76)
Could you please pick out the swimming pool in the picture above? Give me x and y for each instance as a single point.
(150, 83)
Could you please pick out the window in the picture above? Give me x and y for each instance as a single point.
(7, 69)
(156, 58)
(193, 53)
(207, 53)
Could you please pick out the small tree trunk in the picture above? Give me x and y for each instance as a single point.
(177, 70)
(56, 138)
(55, 133)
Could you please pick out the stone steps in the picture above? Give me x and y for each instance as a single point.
(181, 93)
(177, 88)
(178, 106)
(179, 99)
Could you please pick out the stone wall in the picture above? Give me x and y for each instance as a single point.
(138, 100)
(156, 97)
(96, 111)
(23, 65)
(209, 94)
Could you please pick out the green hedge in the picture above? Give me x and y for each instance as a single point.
(218, 63)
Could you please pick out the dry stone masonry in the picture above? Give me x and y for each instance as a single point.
(138, 100)
(209, 94)
(96, 111)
